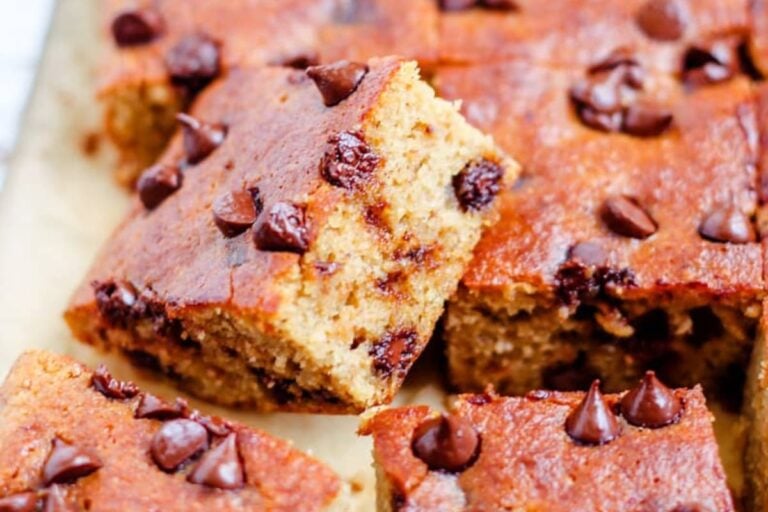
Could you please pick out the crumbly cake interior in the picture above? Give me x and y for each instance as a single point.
(360, 306)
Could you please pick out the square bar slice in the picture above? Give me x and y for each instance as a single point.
(82, 440)
(520, 454)
(626, 246)
(302, 261)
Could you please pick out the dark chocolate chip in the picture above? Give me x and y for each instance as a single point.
(116, 301)
(461, 5)
(588, 253)
(477, 184)
(176, 442)
(501, 5)
(157, 183)
(213, 424)
(456, 5)
(663, 20)
(103, 382)
(234, 212)
(66, 463)
(728, 224)
(619, 57)
(22, 502)
(56, 502)
(156, 408)
(446, 443)
(394, 352)
(624, 216)
(137, 26)
(603, 121)
(349, 161)
(709, 63)
(645, 119)
(284, 229)
(200, 138)
(301, 60)
(194, 61)
(220, 467)
(651, 404)
(337, 81)
(592, 422)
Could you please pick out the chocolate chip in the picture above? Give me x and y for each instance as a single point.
(214, 425)
(663, 20)
(619, 57)
(349, 161)
(284, 229)
(446, 443)
(337, 81)
(22, 502)
(55, 501)
(103, 382)
(457, 5)
(460, 5)
(501, 5)
(137, 26)
(156, 408)
(728, 224)
(200, 138)
(176, 442)
(624, 216)
(651, 404)
(234, 212)
(590, 254)
(116, 301)
(301, 60)
(66, 463)
(394, 352)
(592, 422)
(220, 467)
(157, 183)
(709, 63)
(645, 119)
(194, 61)
(598, 99)
(477, 184)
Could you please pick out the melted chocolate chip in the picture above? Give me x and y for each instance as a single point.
(349, 161)
(234, 212)
(446, 443)
(337, 81)
(709, 64)
(103, 382)
(22, 502)
(66, 463)
(220, 467)
(579, 281)
(301, 60)
(588, 253)
(284, 229)
(55, 501)
(157, 183)
(651, 404)
(394, 352)
(729, 225)
(477, 184)
(200, 138)
(115, 300)
(624, 216)
(194, 62)
(137, 26)
(156, 408)
(663, 20)
(645, 119)
(176, 442)
(592, 422)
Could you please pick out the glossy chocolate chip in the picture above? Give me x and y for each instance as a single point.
(651, 404)
(284, 229)
(22, 502)
(592, 422)
(728, 224)
(619, 57)
(116, 301)
(137, 26)
(645, 119)
(709, 63)
(56, 502)
(156, 408)
(624, 216)
(446, 443)
(337, 81)
(663, 20)
(103, 382)
(194, 61)
(220, 467)
(200, 138)
(213, 424)
(234, 212)
(157, 183)
(66, 463)
(349, 162)
(176, 442)
(588, 253)
(477, 184)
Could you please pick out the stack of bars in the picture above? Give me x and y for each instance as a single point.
(307, 205)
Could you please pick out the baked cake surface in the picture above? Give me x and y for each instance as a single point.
(528, 454)
(293, 248)
(74, 439)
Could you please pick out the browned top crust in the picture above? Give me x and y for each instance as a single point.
(277, 129)
(528, 462)
(48, 396)
(704, 162)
